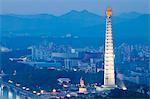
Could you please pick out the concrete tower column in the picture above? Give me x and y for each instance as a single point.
(109, 76)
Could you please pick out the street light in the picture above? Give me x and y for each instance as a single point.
(34, 92)
(10, 81)
(17, 84)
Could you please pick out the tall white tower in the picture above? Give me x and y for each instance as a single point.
(109, 76)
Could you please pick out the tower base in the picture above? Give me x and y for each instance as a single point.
(109, 86)
(105, 88)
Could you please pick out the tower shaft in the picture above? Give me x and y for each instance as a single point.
(109, 76)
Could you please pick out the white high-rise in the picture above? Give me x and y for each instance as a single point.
(109, 75)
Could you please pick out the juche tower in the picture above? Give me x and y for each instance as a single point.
(109, 76)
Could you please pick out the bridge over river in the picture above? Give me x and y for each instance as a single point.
(9, 91)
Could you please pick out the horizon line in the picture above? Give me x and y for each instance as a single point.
(78, 11)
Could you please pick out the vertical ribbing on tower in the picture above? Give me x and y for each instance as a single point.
(109, 76)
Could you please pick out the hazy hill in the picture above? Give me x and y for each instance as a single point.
(135, 29)
(80, 23)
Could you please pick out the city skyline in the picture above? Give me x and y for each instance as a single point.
(64, 6)
(100, 49)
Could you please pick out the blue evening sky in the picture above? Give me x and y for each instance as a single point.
(59, 7)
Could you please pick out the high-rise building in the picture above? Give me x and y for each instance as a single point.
(109, 75)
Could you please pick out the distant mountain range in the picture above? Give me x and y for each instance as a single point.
(78, 23)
